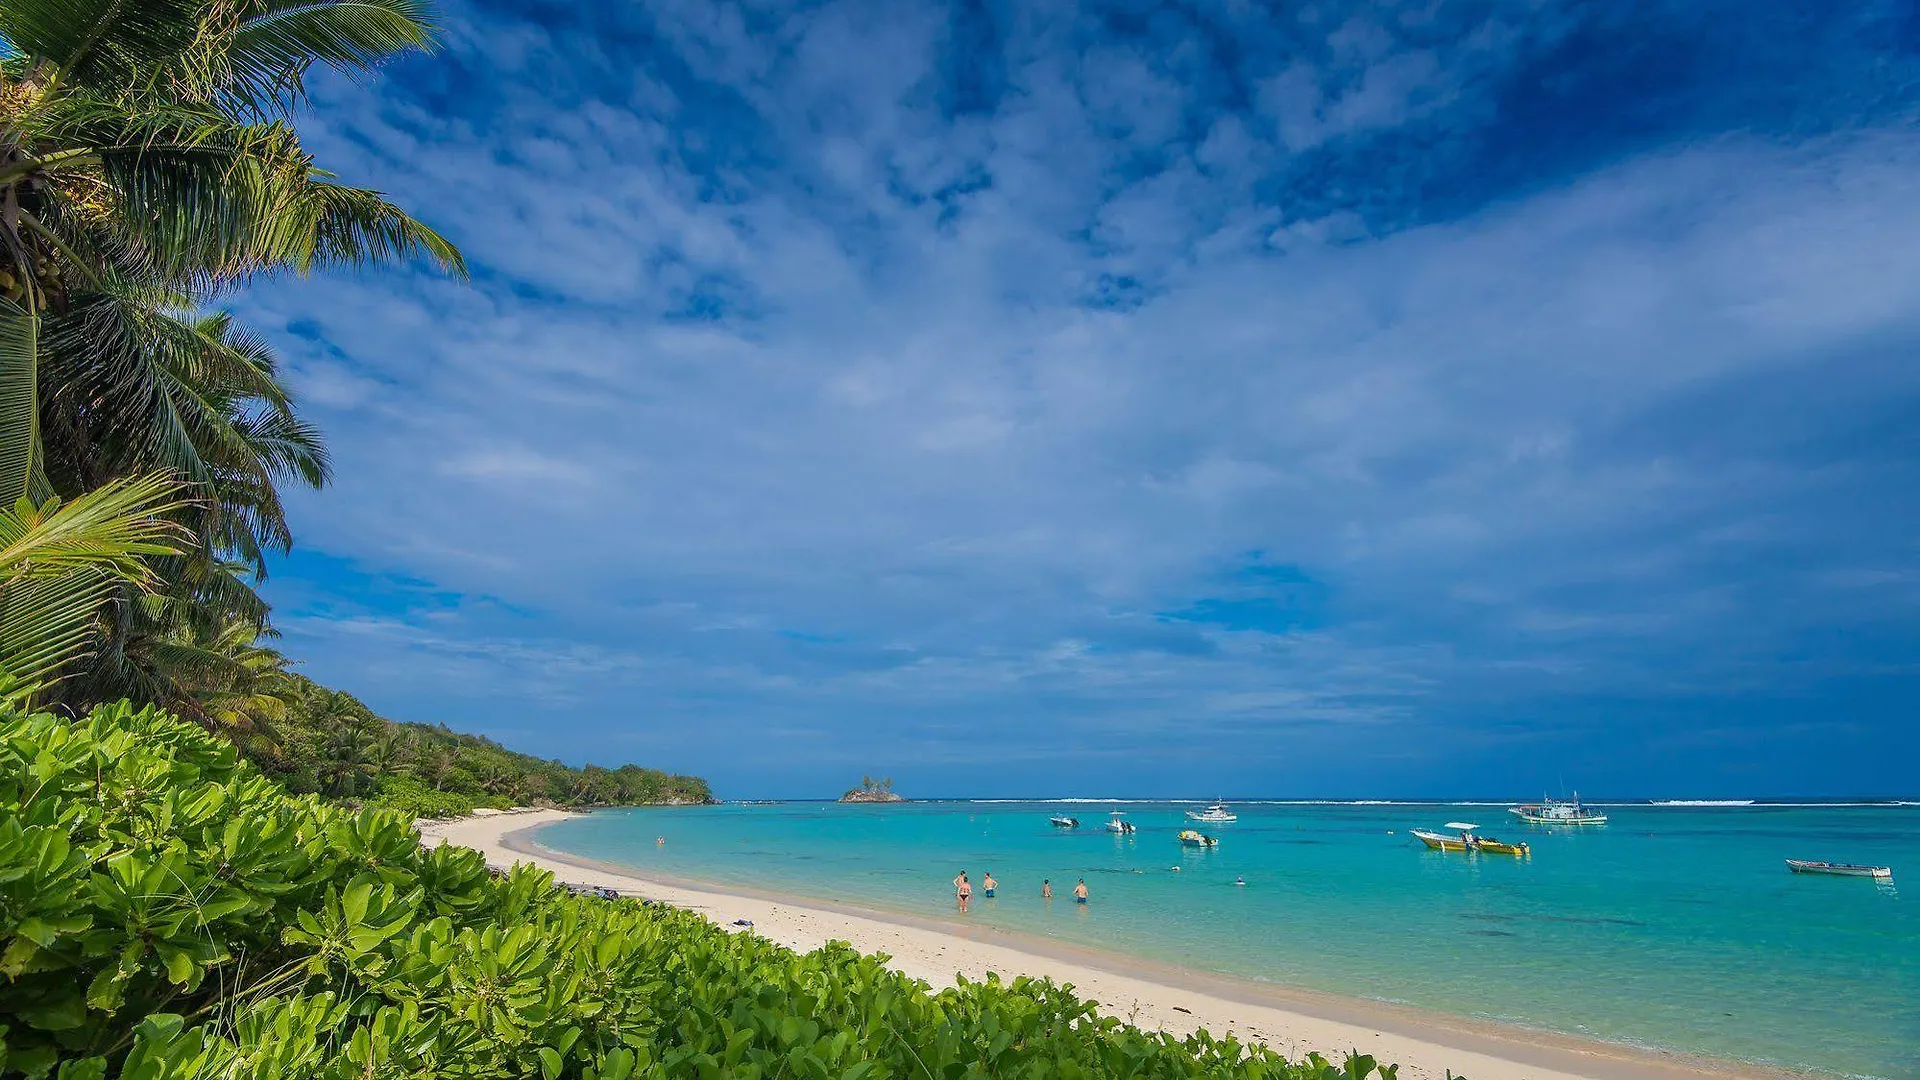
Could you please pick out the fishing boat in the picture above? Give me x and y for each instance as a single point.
(1064, 822)
(1470, 841)
(1117, 823)
(1800, 866)
(1195, 838)
(1558, 812)
(1217, 814)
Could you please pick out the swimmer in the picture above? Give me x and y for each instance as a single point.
(1046, 890)
(1080, 892)
(660, 841)
(987, 885)
(1239, 881)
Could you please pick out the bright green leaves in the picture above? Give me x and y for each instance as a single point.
(352, 925)
(145, 876)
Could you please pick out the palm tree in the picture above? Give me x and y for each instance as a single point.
(146, 165)
(349, 737)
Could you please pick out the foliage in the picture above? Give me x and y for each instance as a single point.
(166, 913)
(416, 800)
(330, 743)
(147, 169)
(58, 564)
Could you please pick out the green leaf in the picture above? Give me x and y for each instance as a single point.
(19, 400)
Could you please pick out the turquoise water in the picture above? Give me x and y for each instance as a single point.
(1669, 927)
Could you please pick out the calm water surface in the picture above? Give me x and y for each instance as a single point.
(1670, 927)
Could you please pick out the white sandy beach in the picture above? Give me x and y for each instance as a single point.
(1294, 1022)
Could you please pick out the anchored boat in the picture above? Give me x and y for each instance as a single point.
(1469, 841)
(1195, 838)
(1558, 812)
(1217, 814)
(1800, 866)
(1117, 823)
(1064, 822)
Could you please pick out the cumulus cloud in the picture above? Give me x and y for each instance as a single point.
(896, 383)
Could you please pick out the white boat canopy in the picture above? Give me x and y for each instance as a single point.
(1462, 826)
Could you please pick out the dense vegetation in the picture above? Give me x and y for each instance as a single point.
(328, 743)
(167, 913)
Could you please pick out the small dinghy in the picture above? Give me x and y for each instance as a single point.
(1801, 866)
(1064, 822)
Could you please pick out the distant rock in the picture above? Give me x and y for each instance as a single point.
(865, 795)
(871, 790)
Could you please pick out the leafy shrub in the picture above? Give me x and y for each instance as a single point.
(408, 796)
(166, 913)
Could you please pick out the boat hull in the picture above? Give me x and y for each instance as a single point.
(1799, 866)
(1534, 817)
(1442, 842)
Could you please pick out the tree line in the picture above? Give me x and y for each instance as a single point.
(328, 743)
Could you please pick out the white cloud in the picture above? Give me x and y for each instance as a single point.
(919, 444)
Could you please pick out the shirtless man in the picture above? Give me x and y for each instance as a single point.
(987, 885)
(1080, 892)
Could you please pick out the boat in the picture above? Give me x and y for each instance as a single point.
(1195, 838)
(1800, 866)
(1117, 823)
(1470, 841)
(1217, 814)
(1558, 812)
(1064, 822)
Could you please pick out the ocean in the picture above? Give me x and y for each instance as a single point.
(1674, 927)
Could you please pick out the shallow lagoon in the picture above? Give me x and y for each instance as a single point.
(1676, 927)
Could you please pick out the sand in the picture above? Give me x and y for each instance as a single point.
(1424, 1044)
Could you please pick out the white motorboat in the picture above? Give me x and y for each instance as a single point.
(1064, 822)
(1217, 814)
(1558, 812)
(1117, 823)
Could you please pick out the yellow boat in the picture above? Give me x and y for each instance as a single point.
(1193, 838)
(1470, 842)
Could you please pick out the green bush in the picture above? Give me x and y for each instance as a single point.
(408, 796)
(166, 913)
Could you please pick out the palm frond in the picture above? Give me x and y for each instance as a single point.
(60, 564)
(265, 60)
(116, 43)
(109, 529)
(329, 224)
(19, 398)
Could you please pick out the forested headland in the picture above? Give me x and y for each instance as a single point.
(328, 743)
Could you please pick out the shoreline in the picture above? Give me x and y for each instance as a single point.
(1152, 995)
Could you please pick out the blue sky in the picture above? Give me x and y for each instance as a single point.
(1364, 399)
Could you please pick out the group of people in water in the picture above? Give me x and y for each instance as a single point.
(963, 889)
